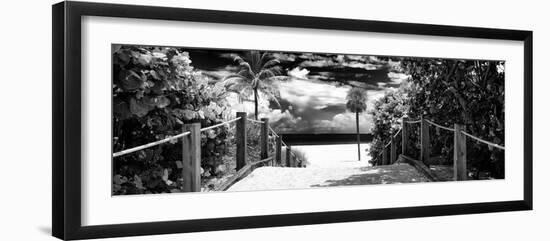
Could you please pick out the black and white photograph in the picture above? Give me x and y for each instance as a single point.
(210, 120)
(285, 120)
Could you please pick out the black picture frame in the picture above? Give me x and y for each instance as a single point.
(66, 141)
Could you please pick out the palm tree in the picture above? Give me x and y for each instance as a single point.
(357, 103)
(257, 73)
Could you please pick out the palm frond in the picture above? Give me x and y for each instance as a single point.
(271, 63)
(234, 79)
(245, 66)
(269, 73)
(237, 58)
(265, 57)
(266, 74)
(247, 73)
(253, 59)
(240, 88)
(271, 92)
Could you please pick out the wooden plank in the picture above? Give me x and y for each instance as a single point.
(424, 141)
(459, 157)
(420, 167)
(393, 151)
(242, 173)
(278, 150)
(191, 158)
(288, 157)
(264, 132)
(404, 135)
(240, 139)
(385, 156)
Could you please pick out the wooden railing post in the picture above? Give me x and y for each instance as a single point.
(384, 156)
(460, 171)
(191, 158)
(264, 133)
(288, 157)
(404, 135)
(278, 147)
(424, 141)
(240, 139)
(393, 151)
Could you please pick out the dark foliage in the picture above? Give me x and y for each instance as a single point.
(447, 91)
(155, 92)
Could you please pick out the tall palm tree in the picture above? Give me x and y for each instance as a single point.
(257, 73)
(357, 103)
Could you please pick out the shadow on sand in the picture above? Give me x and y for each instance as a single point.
(400, 173)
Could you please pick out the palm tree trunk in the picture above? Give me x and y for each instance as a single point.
(256, 103)
(358, 136)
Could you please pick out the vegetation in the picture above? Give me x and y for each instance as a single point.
(156, 91)
(300, 155)
(450, 91)
(357, 103)
(387, 114)
(256, 74)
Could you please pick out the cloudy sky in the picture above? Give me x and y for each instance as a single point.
(313, 98)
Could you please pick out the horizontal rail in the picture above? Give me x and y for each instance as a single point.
(220, 124)
(137, 148)
(255, 121)
(413, 122)
(235, 178)
(483, 141)
(440, 126)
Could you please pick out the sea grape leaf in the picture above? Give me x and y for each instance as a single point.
(145, 59)
(162, 101)
(137, 107)
(121, 109)
(130, 80)
(188, 115)
(154, 74)
(211, 134)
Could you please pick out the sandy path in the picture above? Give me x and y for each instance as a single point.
(268, 178)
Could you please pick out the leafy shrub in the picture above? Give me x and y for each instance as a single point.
(387, 114)
(468, 92)
(447, 91)
(300, 154)
(155, 92)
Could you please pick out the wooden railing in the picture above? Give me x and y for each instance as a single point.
(191, 153)
(459, 155)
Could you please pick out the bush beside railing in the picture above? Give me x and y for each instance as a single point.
(191, 154)
(459, 156)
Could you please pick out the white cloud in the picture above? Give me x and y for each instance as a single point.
(298, 73)
(276, 115)
(345, 122)
(307, 93)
